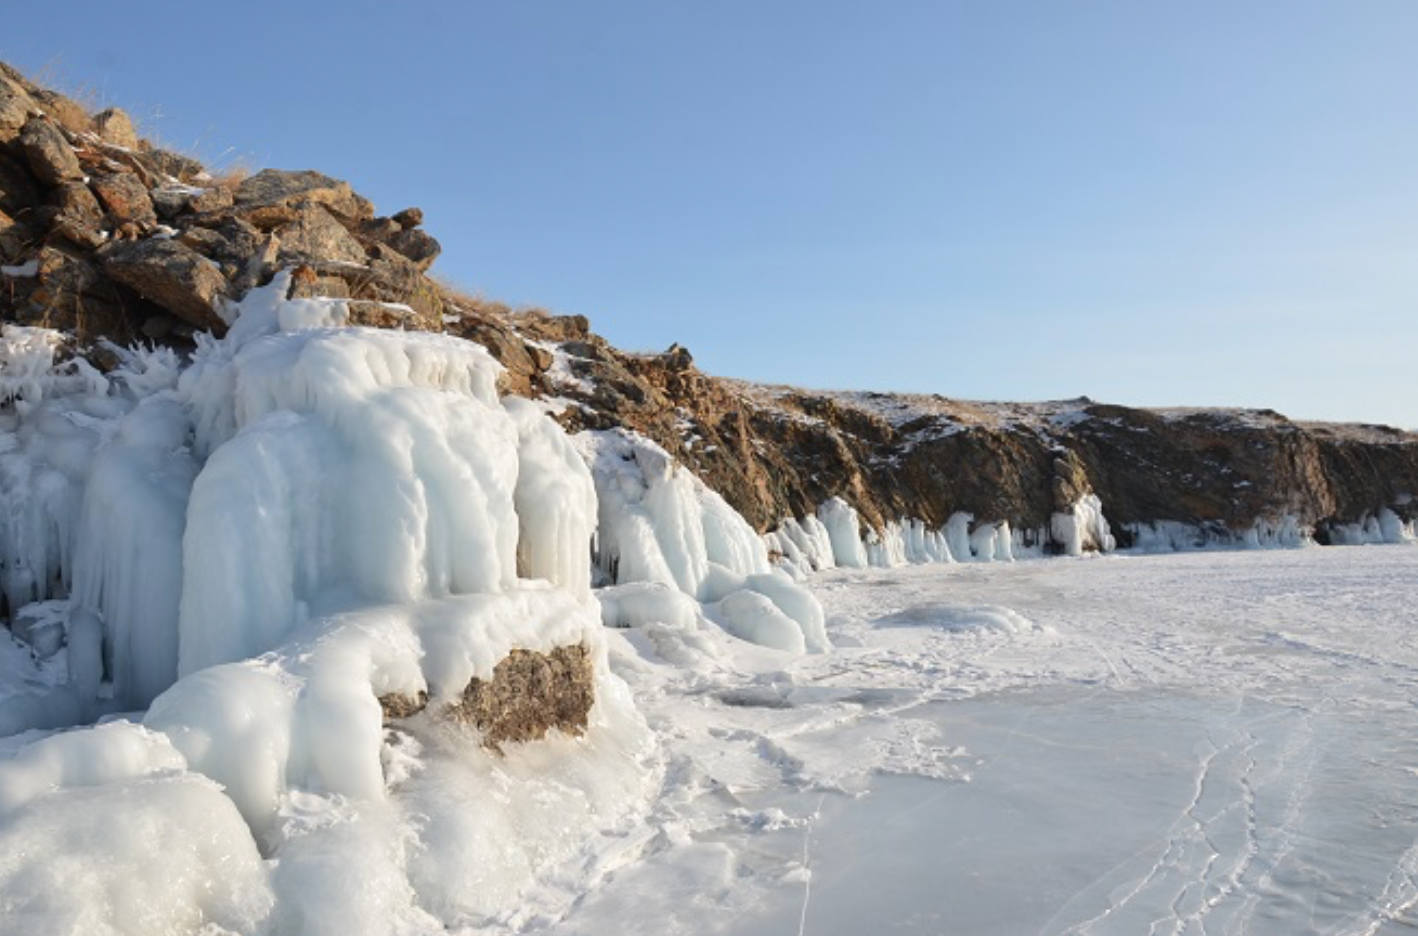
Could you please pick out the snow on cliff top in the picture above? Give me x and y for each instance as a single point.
(940, 416)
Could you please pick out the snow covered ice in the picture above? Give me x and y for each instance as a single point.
(829, 729)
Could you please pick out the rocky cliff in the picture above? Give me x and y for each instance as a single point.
(113, 241)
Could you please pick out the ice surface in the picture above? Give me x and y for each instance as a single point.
(1218, 742)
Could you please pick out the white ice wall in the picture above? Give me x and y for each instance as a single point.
(660, 524)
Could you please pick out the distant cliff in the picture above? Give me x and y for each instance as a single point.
(112, 241)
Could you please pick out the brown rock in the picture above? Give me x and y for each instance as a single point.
(314, 234)
(114, 126)
(276, 187)
(18, 192)
(77, 201)
(77, 231)
(15, 108)
(171, 275)
(398, 706)
(125, 197)
(169, 202)
(167, 163)
(530, 694)
(50, 156)
(217, 198)
(14, 237)
(205, 241)
(73, 295)
(409, 218)
(419, 247)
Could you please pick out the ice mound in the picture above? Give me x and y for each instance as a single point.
(302, 551)
(1083, 528)
(660, 524)
(962, 619)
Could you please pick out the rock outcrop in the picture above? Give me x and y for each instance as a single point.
(108, 238)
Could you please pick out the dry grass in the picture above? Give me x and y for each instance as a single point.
(466, 302)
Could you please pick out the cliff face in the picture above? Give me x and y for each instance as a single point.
(112, 240)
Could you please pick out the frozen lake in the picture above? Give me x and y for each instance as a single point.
(1202, 743)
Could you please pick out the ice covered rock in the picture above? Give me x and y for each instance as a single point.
(1083, 528)
(660, 524)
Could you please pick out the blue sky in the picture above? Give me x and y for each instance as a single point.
(1209, 203)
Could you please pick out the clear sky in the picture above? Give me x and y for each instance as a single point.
(1200, 203)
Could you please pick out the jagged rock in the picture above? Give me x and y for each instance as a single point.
(259, 265)
(169, 202)
(409, 218)
(48, 152)
(125, 197)
(168, 163)
(217, 198)
(15, 108)
(71, 294)
(77, 200)
(13, 237)
(171, 275)
(18, 192)
(530, 694)
(419, 247)
(275, 188)
(392, 277)
(379, 229)
(314, 234)
(114, 126)
(206, 242)
(77, 231)
(678, 358)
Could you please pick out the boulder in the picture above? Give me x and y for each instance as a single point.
(271, 188)
(13, 238)
(218, 198)
(419, 247)
(18, 192)
(171, 275)
(15, 107)
(316, 235)
(77, 201)
(125, 197)
(114, 126)
(169, 202)
(73, 295)
(167, 163)
(409, 218)
(77, 231)
(394, 278)
(50, 156)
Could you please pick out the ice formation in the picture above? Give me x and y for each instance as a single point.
(836, 537)
(257, 550)
(1083, 527)
(1284, 532)
(660, 524)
